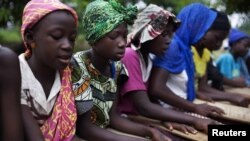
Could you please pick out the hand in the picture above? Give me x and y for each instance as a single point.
(205, 97)
(202, 124)
(207, 110)
(180, 127)
(158, 136)
(239, 100)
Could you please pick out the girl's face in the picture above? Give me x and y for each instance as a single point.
(112, 45)
(213, 39)
(241, 47)
(54, 37)
(160, 44)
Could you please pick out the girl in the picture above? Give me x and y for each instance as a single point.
(97, 73)
(174, 71)
(151, 33)
(176, 68)
(48, 31)
(232, 64)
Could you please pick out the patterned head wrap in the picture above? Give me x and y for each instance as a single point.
(35, 10)
(151, 22)
(101, 17)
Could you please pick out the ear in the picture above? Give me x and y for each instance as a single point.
(29, 37)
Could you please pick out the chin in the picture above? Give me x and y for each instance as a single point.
(116, 59)
(62, 66)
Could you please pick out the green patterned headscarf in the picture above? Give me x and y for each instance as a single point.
(101, 17)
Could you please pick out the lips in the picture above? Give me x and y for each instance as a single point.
(64, 59)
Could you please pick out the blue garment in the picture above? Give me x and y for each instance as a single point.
(232, 68)
(196, 19)
(228, 66)
(236, 35)
(244, 71)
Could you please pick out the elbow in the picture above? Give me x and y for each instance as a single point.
(144, 110)
(154, 90)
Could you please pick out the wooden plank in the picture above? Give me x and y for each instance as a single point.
(199, 136)
(232, 112)
(125, 134)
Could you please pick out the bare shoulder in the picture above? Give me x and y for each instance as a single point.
(9, 65)
(8, 57)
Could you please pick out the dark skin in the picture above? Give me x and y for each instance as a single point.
(238, 49)
(148, 109)
(158, 88)
(10, 87)
(248, 64)
(112, 47)
(54, 38)
(204, 90)
(248, 59)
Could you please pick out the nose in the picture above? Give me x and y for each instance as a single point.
(122, 42)
(67, 45)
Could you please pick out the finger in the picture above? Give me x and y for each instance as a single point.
(218, 110)
(168, 125)
(191, 130)
(183, 129)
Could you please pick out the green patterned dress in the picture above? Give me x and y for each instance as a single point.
(94, 91)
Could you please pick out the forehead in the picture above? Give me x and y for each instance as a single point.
(120, 28)
(245, 41)
(218, 33)
(59, 17)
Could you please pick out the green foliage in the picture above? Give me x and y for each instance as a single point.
(245, 26)
(10, 35)
(241, 6)
(11, 11)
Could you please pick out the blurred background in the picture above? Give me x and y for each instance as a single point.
(11, 16)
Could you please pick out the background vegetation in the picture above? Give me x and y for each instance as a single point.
(11, 13)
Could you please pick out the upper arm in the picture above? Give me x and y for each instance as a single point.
(81, 87)
(158, 79)
(31, 127)
(10, 86)
(135, 80)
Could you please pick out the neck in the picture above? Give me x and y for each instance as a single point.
(41, 71)
(234, 54)
(199, 49)
(144, 51)
(100, 63)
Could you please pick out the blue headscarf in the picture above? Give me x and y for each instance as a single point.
(235, 35)
(196, 19)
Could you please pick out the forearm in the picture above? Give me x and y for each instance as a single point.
(89, 131)
(127, 126)
(167, 96)
(213, 93)
(231, 82)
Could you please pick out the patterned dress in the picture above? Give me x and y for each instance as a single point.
(94, 91)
